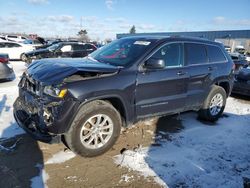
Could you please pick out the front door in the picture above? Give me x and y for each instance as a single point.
(164, 90)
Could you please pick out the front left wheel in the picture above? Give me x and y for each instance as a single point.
(94, 130)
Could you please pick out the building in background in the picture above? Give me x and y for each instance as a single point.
(231, 38)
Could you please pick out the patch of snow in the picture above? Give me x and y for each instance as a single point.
(200, 155)
(136, 160)
(71, 178)
(8, 125)
(8, 94)
(126, 178)
(60, 157)
(40, 180)
(149, 122)
(150, 132)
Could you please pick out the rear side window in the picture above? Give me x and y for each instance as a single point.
(215, 54)
(78, 47)
(195, 53)
(90, 47)
(12, 36)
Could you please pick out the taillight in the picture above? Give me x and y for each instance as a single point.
(4, 60)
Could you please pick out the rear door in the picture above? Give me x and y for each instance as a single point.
(78, 50)
(165, 90)
(201, 73)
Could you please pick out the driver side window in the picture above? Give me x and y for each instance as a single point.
(172, 54)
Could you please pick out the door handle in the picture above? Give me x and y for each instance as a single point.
(180, 73)
(210, 68)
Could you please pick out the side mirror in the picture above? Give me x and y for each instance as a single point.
(153, 63)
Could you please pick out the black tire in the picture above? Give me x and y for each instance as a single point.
(86, 114)
(205, 111)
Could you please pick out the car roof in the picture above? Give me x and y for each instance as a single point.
(68, 42)
(172, 38)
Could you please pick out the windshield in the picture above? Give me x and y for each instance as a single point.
(27, 41)
(53, 47)
(122, 52)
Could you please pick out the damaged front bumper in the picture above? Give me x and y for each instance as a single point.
(30, 123)
(44, 118)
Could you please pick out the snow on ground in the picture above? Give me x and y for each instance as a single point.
(200, 155)
(40, 181)
(8, 94)
(61, 157)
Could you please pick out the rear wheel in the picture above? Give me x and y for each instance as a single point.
(94, 130)
(214, 104)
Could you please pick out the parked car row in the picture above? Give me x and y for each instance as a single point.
(61, 49)
(28, 53)
(15, 50)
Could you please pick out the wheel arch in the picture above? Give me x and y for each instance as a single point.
(117, 102)
(225, 85)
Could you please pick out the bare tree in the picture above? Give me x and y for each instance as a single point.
(83, 35)
(132, 30)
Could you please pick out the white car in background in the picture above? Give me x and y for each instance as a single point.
(15, 38)
(15, 49)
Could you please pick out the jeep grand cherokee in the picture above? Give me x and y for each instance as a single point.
(85, 102)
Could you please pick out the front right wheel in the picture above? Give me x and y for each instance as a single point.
(214, 104)
(94, 130)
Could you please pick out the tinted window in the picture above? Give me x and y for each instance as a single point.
(78, 47)
(215, 54)
(196, 53)
(2, 45)
(12, 45)
(12, 36)
(171, 53)
(90, 47)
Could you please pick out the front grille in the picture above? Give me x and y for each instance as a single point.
(30, 85)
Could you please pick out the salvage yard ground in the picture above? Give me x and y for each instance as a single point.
(174, 151)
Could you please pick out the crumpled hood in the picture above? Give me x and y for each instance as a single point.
(53, 71)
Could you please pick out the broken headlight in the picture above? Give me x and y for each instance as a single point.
(55, 92)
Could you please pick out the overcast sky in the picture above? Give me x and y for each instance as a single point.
(104, 18)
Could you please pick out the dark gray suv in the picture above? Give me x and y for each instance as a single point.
(85, 102)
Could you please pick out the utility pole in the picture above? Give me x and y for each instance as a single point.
(81, 23)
